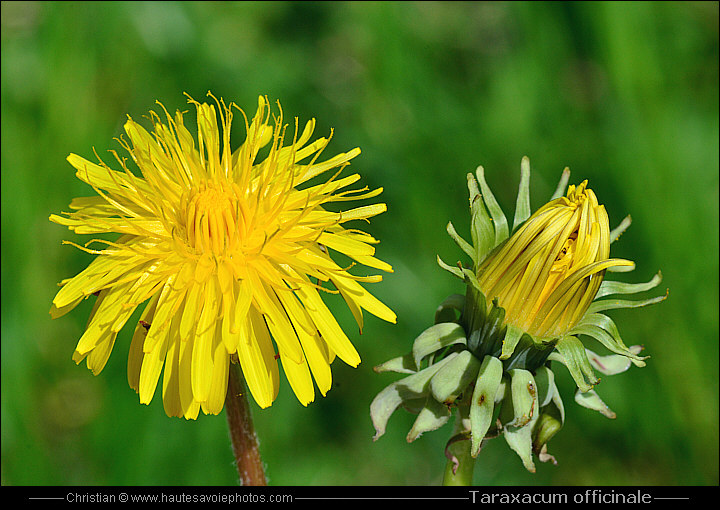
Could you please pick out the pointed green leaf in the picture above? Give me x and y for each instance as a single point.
(608, 287)
(562, 185)
(519, 439)
(604, 330)
(572, 354)
(613, 363)
(592, 400)
(481, 227)
(455, 270)
(612, 304)
(454, 377)
(462, 243)
(498, 217)
(431, 417)
(525, 412)
(436, 337)
(530, 353)
(483, 400)
(523, 390)
(618, 231)
(411, 387)
(522, 205)
(557, 401)
(549, 423)
(512, 337)
(471, 279)
(488, 337)
(474, 312)
(401, 365)
(545, 379)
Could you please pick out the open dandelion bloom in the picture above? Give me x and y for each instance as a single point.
(231, 255)
(530, 293)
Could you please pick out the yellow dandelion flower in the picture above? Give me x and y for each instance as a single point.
(230, 253)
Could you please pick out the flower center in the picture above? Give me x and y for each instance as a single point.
(212, 218)
(566, 256)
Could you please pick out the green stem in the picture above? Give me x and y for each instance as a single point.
(461, 465)
(242, 433)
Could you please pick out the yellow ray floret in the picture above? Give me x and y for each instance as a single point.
(230, 254)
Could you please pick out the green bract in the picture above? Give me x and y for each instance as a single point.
(494, 375)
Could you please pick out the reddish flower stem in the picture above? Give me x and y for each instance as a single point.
(242, 433)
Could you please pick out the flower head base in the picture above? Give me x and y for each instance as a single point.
(529, 295)
(229, 252)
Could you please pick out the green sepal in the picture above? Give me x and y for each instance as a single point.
(571, 353)
(603, 329)
(524, 397)
(592, 400)
(612, 304)
(548, 424)
(519, 439)
(471, 280)
(481, 226)
(545, 380)
(475, 311)
(530, 353)
(462, 243)
(562, 184)
(558, 402)
(401, 365)
(454, 377)
(525, 410)
(483, 400)
(522, 204)
(612, 364)
(618, 231)
(446, 311)
(431, 417)
(512, 337)
(435, 338)
(455, 270)
(488, 338)
(500, 223)
(608, 287)
(411, 387)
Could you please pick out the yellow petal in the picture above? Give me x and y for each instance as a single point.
(171, 380)
(257, 359)
(344, 244)
(135, 355)
(356, 292)
(152, 364)
(218, 378)
(190, 406)
(203, 344)
(327, 325)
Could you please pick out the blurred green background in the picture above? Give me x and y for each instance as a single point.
(626, 95)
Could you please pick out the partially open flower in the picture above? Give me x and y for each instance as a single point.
(548, 272)
(531, 291)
